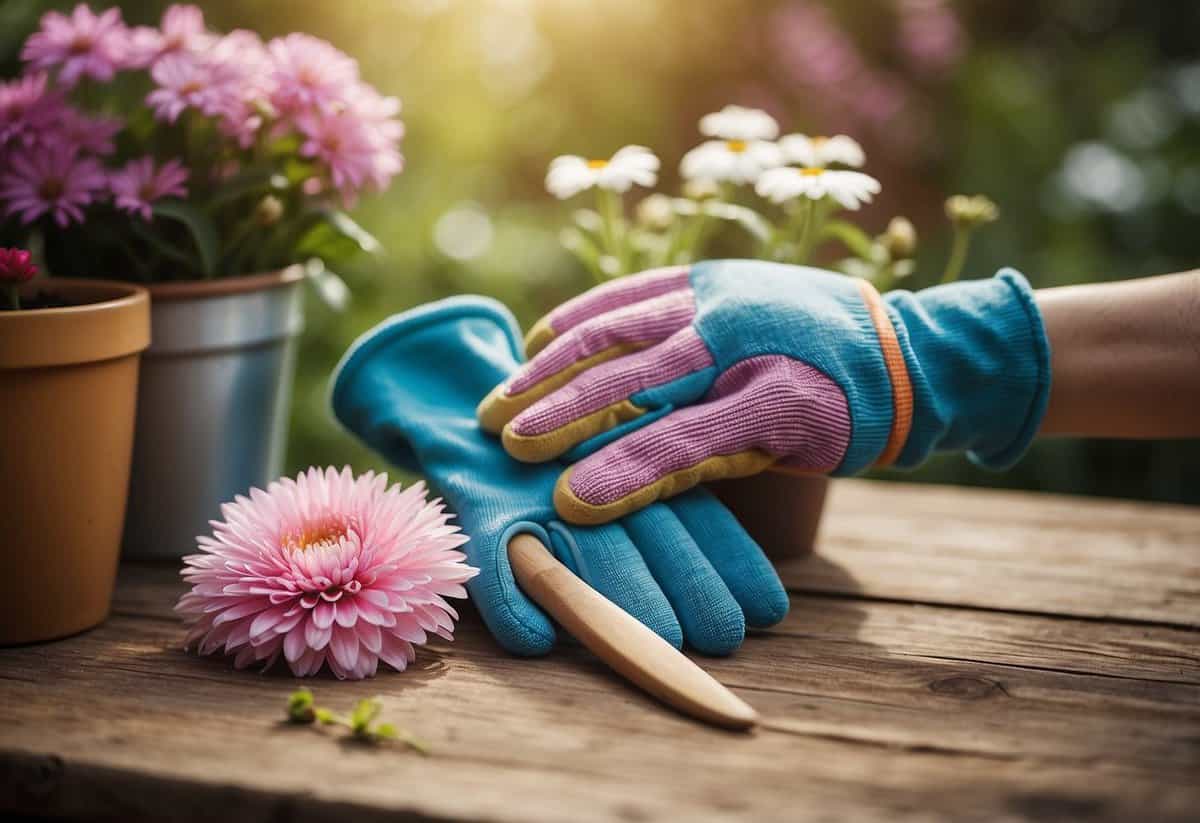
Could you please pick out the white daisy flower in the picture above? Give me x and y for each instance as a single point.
(735, 160)
(849, 188)
(633, 165)
(820, 152)
(739, 123)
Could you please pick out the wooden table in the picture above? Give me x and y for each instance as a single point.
(950, 654)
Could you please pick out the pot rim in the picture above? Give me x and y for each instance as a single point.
(224, 286)
(116, 325)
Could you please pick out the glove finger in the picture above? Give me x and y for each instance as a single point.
(678, 370)
(709, 614)
(606, 558)
(601, 300)
(762, 409)
(512, 618)
(746, 571)
(595, 341)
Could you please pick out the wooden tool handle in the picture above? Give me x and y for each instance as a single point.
(625, 644)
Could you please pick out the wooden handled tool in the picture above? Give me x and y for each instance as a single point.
(625, 644)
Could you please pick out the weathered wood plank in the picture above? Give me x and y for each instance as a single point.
(875, 710)
(1045, 554)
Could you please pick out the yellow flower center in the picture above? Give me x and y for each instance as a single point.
(736, 146)
(819, 141)
(597, 164)
(812, 171)
(320, 534)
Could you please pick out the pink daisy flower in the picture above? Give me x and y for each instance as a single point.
(27, 109)
(16, 266)
(84, 44)
(309, 73)
(189, 82)
(54, 179)
(182, 30)
(325, 569)
(93, 135)
(343, 144)
(138, 186)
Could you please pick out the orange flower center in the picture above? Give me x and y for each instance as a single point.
(597, 164)
(736, 146)
(819, 141)
(319, 534)
(81, 45)
(812, 171)
(191, 87)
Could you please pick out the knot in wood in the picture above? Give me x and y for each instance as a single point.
(967, 687)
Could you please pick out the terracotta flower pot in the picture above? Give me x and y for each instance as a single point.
(781, 511)
(213, 403)
(68, 388)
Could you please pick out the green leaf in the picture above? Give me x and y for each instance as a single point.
(334, 236)
(199, 225)
(854, 238)
(331, 288)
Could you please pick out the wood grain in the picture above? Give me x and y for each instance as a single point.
(874, 708)
(1044, 554)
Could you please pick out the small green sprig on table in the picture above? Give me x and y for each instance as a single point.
(303, 711)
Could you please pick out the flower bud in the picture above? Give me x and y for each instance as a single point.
(16, 266)
(969, 212)
(900, 238)
(655, 211)
(701, 189)
(300, 707)
(268, 211)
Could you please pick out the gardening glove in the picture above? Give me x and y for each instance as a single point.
(409, 388)
(676, 376)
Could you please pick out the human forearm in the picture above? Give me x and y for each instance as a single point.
(1125, 358)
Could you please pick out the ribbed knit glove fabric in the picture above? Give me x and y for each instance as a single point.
(676, 376)
(409, 389)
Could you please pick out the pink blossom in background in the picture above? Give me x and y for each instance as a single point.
(186, 81)
(27, 109)
(182, 30)
(16, 266)
(54, 179)
(341, 142)
(309, 74)
(94, 135)
(930, 34)
(139, 185)
(83, 44)
(326, 569)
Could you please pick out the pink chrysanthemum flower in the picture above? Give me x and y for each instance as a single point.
(16, 266)
(92, 135)
(138, 186)
(84, 44)
(182, 30)
(343, 143)
(322, 569)
(189, 82)
(309, 73)
(54, 179)
(27, 109)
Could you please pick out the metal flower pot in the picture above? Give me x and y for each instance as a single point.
(213, 403)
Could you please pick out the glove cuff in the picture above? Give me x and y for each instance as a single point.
(979, 362)
(377, 366)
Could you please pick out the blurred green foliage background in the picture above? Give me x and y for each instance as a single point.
(1080, 118)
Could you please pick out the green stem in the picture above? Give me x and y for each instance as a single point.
(14, 299)
(609, 203)
(958, 254)
(802, 225)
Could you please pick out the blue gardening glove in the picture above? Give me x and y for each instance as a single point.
(669, 378)
(409, 389)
